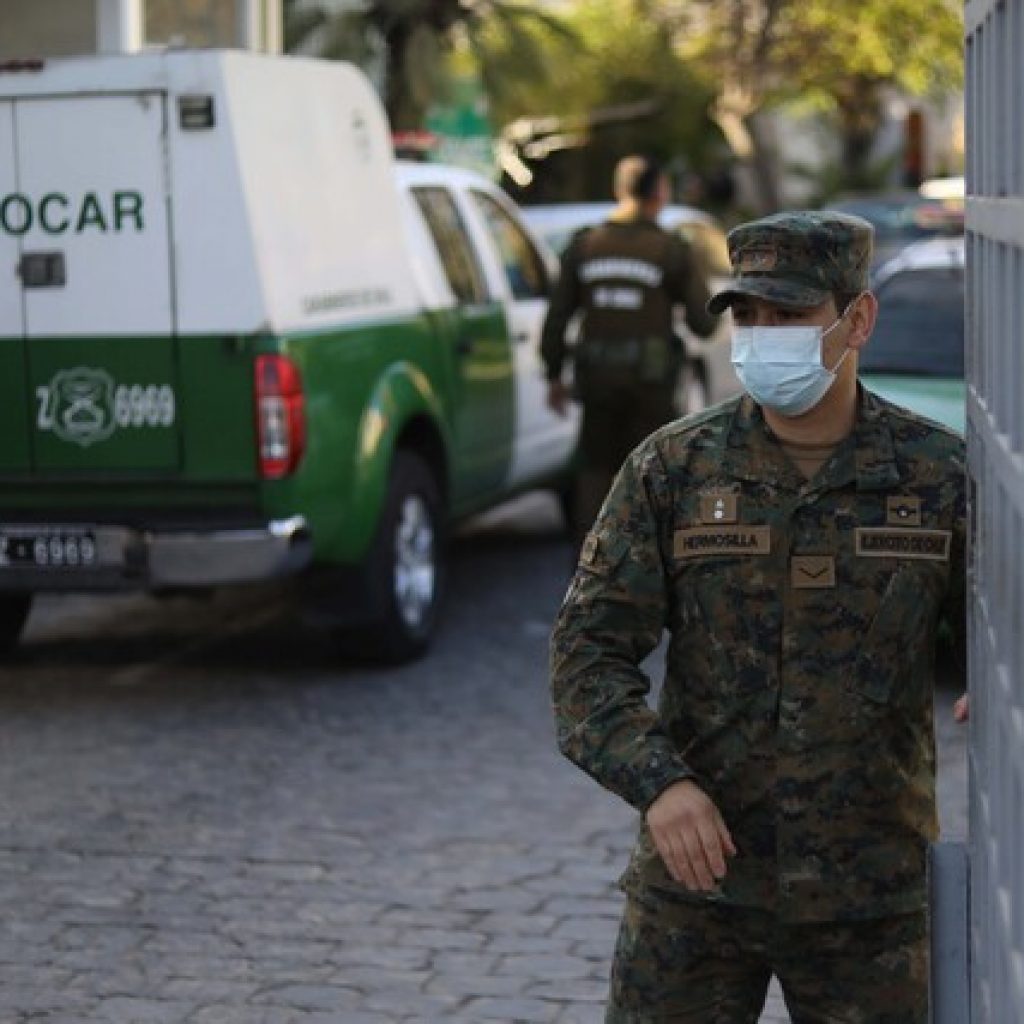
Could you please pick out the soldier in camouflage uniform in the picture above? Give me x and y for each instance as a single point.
(801, 544)
(624, 276)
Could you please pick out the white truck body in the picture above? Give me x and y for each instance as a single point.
(238, 339)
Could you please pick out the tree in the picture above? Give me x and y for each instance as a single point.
(615, 84)
(413, 39)
(843, 54)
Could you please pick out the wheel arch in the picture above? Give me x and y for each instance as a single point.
(405, 412)
(421, 436)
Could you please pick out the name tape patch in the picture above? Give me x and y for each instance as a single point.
(696, 541)
(879, 542)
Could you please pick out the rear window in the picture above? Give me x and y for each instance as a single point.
(920, 327)
(453, 244)
(520, 260)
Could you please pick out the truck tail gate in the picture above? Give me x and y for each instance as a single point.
(89, 367)
(15, 454)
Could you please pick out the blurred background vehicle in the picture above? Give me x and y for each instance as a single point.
(708, 376)
(916, 355)
(903, 217)
(948, 188)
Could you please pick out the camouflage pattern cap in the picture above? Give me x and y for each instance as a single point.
(797, 258)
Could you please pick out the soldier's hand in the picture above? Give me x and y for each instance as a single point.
(690, 835)
(558, 397)
(962, 709)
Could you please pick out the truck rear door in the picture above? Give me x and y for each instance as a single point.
(89, 216)
(14, 411)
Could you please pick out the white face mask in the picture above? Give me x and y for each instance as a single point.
(782, 368)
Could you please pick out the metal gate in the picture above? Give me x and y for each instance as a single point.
(995, 439)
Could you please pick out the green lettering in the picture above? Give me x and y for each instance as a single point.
(53, 197)
(127, 205)
(91, 214)
(15, 198)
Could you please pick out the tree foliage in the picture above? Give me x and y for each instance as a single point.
(615, 83)
(413, 39)
(843, 54)
(691, 65)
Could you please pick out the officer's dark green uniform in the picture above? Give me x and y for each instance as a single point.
(625, 277)
(803, 617)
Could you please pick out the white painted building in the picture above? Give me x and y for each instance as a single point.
(60, 28)
(995, 441)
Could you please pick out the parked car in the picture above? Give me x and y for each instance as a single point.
(916, 355)
(951, 188)
(902, 217)
(708, 376)
(239, 342)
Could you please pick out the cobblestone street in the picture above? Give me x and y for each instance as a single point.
(208, 819)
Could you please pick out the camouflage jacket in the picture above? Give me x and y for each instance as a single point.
(803, 619)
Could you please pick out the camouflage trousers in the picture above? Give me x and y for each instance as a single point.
(694, 963)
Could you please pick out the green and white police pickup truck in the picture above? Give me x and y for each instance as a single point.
(239, 341)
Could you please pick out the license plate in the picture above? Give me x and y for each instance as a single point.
(47, 548)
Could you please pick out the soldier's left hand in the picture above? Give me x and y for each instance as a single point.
(962, 709)
(690, 835)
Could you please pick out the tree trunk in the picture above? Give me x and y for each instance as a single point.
(748, 137)
(764, 163)
(860, 120)
(398, 100)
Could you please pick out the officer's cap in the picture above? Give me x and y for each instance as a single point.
(798, 258)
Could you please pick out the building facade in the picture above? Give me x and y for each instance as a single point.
(61, 28)
(995, 429)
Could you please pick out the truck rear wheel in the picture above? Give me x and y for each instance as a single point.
(14, 609)
(405, 568)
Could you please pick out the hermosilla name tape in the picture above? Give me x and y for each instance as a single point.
(699, 541)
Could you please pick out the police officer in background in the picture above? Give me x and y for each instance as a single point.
(624, 276)
(802, 545)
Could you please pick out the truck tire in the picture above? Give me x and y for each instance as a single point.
(405, 569)
(14, 609)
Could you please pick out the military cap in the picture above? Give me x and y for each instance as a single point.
(798, 258)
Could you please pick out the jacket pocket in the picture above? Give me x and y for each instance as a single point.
(896, 653)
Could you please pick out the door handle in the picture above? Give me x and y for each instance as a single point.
(464, 345)
(42, 270)
(521, 337)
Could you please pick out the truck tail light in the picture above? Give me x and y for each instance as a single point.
(280, 416)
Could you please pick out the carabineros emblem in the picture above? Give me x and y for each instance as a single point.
(79, 406)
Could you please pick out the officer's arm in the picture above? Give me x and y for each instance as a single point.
(690, 290)
(564, 302)
(611, 619)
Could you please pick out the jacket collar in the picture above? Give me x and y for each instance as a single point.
(867, 456)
